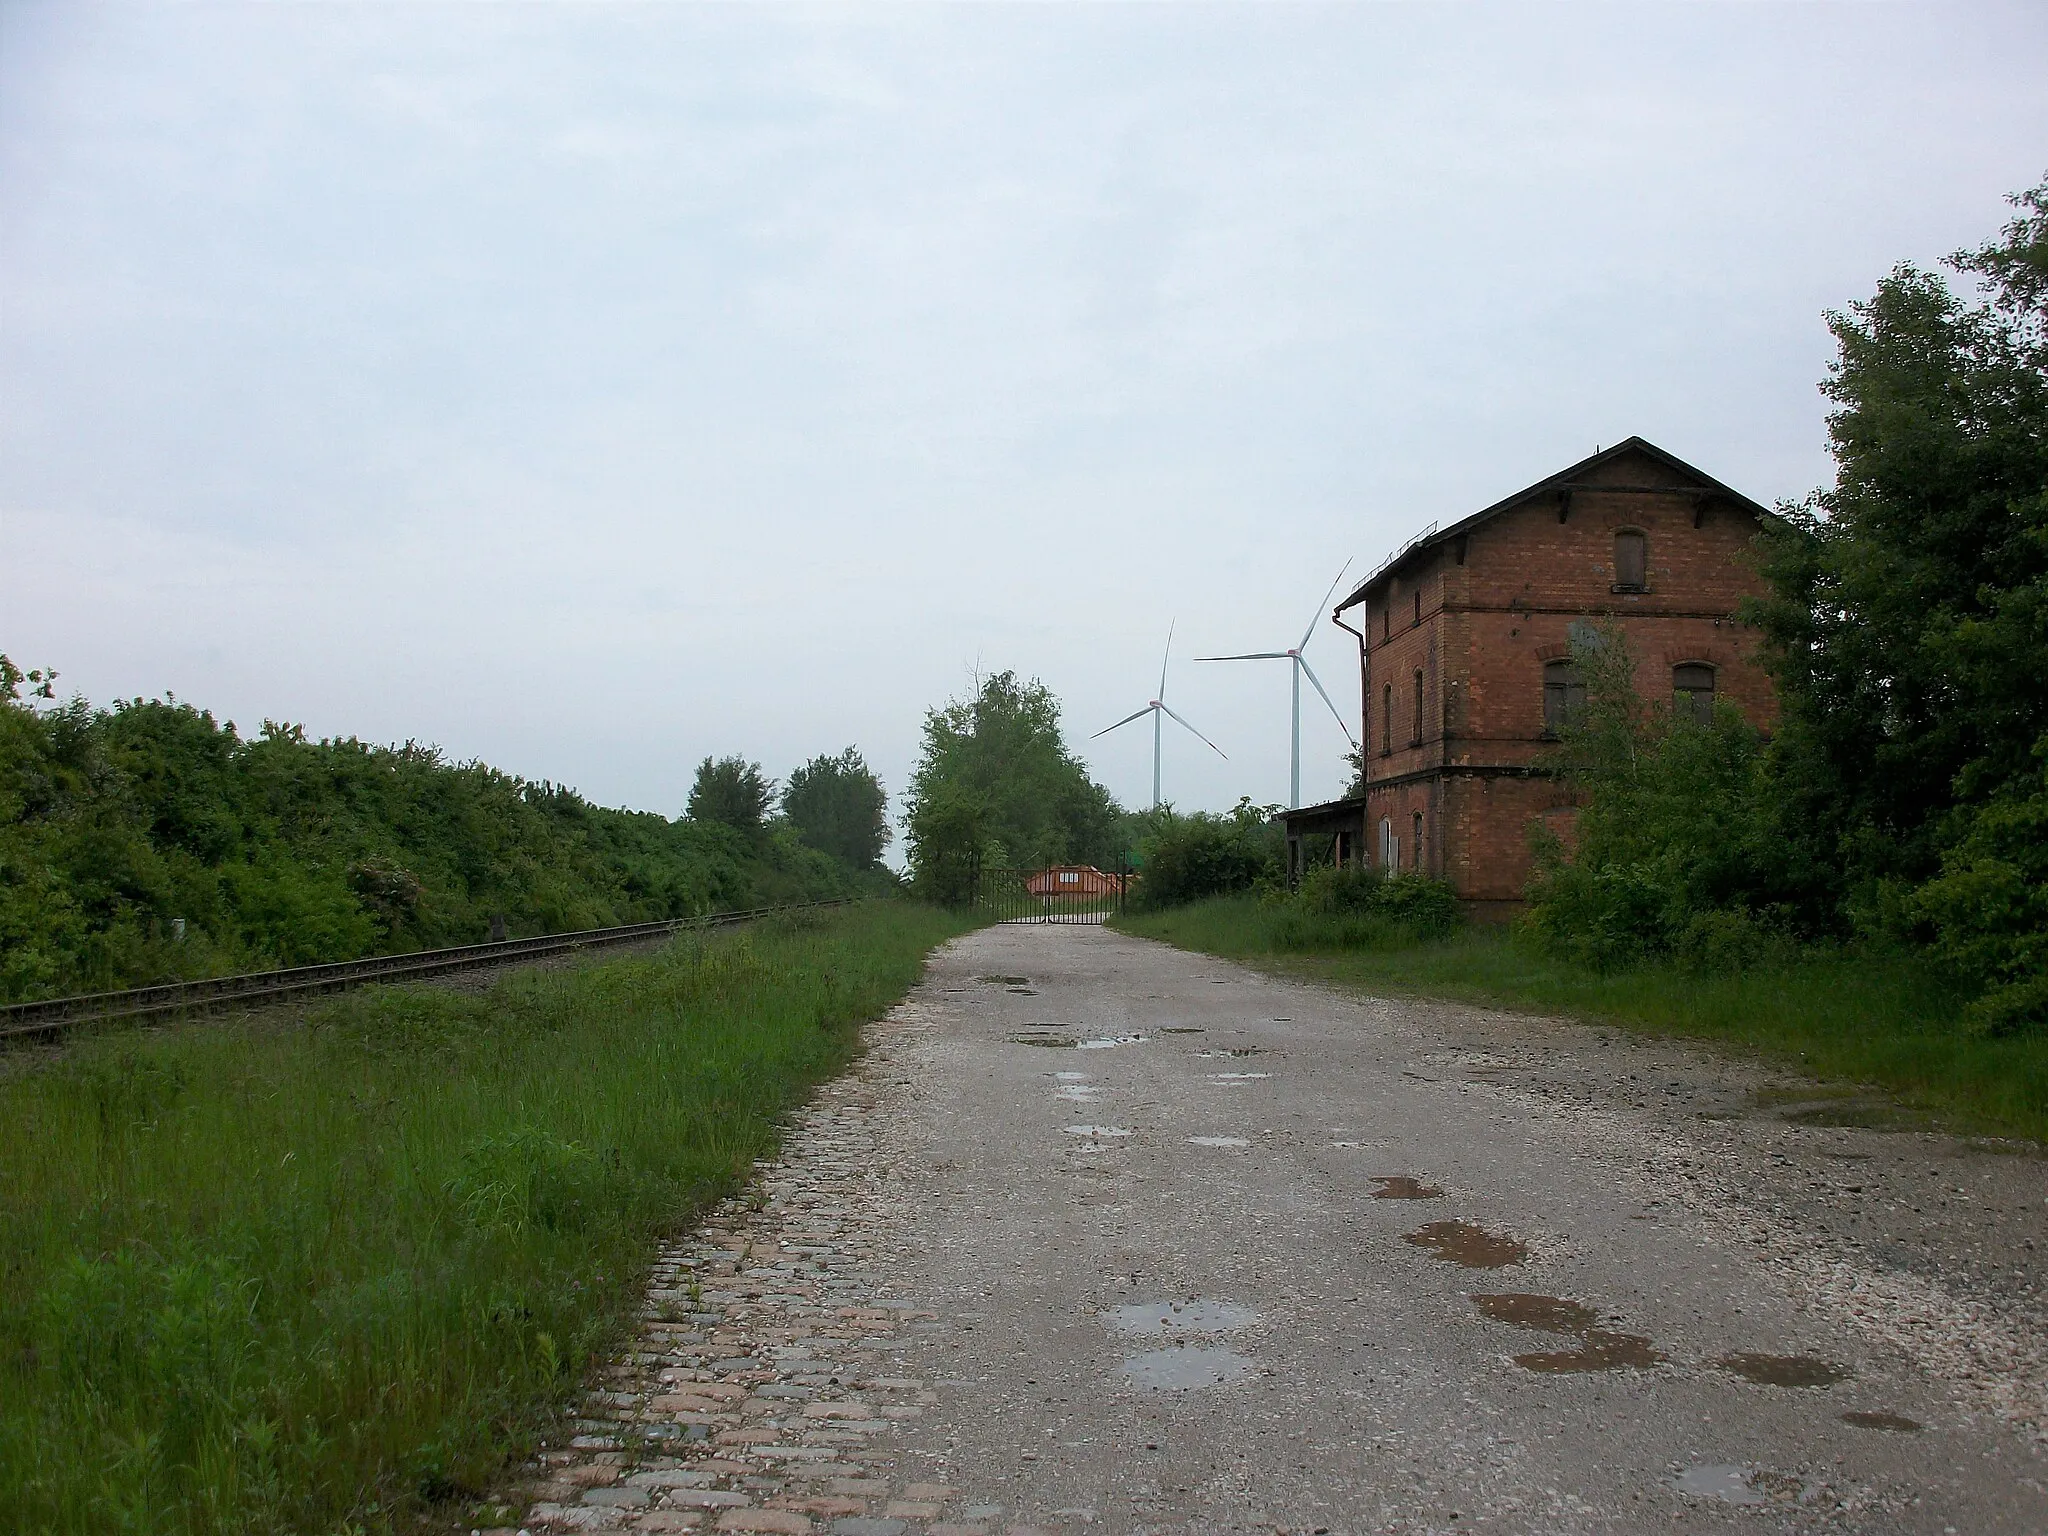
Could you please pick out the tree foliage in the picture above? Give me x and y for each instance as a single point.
(1675, 848)
(995, 782)
(732, 792)
(1904, 794)
(1908, 622)
(1186, 856)
(117, 824)
(837, 805)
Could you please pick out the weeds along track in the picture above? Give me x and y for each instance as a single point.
(51, 1017)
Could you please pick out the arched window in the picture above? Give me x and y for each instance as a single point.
(1631, 561)
(1416, 741)
(1415, 854)
(1692, 687)
(1387, 721)
(1564, 695)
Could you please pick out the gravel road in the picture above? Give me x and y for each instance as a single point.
(1103, 1235)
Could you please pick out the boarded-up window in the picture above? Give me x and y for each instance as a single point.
(1387, 719)
(1693, 685)
(1418, 606)
(1564, 695)
(1416, 739)
(1415, 854)
(1631, 561)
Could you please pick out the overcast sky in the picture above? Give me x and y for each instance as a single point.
(588, 388)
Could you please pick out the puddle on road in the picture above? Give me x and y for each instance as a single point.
(1200, 1315)
(1096, 1130)
(1597, 1351)
(1217, 1141)
(1111, 1042)
(1005, 981)
(1237, 1050)
(1897, 1423)
(1022, 992)
(1183, 1030)
(1238, 1077)
(1056, 1042)
(1071, 1077)
(1783, 1370)
(1728, 1484)
(1743, 1485)
(1551, 1314)
(1401, 1187)
(1185, 1368)
(1459, 1242)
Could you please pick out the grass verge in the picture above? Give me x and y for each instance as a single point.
(1888, 1022)
(328, 1275)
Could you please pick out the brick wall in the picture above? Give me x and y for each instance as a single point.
(1495, 605)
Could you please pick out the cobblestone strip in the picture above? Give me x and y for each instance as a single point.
(757, 1396)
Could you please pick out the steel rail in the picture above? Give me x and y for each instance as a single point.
(51, 1016)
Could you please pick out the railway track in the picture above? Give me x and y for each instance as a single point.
(53, 1016)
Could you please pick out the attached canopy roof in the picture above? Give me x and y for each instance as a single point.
(1328, 816)
(1564, 480)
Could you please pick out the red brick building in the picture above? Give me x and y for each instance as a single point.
(1464, 641)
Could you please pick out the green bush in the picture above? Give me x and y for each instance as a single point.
(1187, 857)
(118, 824)
(1380, 906)
(1989, 907)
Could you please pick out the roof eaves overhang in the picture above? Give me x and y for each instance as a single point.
(1432, 538)
(1327, 808)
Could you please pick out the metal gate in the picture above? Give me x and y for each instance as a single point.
(1055, 893)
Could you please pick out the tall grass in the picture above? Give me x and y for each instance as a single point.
(1893, 1022)
(313, 1276)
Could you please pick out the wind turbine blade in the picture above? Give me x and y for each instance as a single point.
(1311, 671)
(1318, 618)
(1127, 719)
(1200, 737)
(1164, 658)
(1248, 656)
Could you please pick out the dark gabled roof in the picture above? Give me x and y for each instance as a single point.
(1561, 480)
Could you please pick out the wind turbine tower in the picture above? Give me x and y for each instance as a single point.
(1157, 709)
(1300, 665)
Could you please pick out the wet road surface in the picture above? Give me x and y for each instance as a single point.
(1205, 1250)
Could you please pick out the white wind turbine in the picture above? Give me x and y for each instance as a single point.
(1156, 709)
(1300, 666)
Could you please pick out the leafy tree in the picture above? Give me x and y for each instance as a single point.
(837, 805)
(1908, 623)
(733, 793)
(1676, 846)
(996, 782)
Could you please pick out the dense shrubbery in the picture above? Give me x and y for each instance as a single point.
(1415, 904)
(1903, 799)
(1676, 849)
(1188, 856)
(119, 827)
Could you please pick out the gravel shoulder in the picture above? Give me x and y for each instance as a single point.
(1101, 1234)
